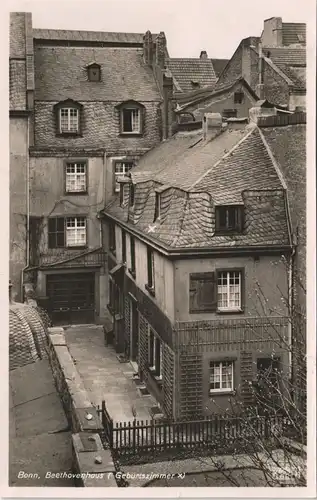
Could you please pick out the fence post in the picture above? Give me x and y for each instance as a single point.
(111, 433)
(103, 409)
(134, 436)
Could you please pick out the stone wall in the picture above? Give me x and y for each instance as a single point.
(81, 415)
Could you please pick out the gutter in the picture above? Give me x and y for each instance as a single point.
(182, 252)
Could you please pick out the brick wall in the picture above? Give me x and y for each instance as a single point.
(100, 127)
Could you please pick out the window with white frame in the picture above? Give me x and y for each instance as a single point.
(155, 353)
(69, 120)
(76, 231)
(229, 290)
(131, 121)
(76, 177)
(120, 170)
(221, 376)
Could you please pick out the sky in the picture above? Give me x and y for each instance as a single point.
(190, 25)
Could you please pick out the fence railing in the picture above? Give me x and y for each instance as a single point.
(128, 438)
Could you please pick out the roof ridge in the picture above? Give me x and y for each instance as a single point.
(272, 158)
(224, 156)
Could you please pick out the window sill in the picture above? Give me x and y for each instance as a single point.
(157, 378)
(72, 193)
(222, 392)
(132, 272)
(150, 289)
(228, 232)
(230, 311)
(80, 247)
(131, 134)
(200, 311)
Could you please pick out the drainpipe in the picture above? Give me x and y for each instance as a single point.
(27, 239)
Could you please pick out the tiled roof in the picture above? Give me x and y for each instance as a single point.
(219, 65)
(61, 73)
(232, 168)
(89, 36)
(27, 336)
(188, 72)
(289, 60)
(287, 55)
(293, 33)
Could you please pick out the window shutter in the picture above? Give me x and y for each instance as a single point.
(142, 120)
(242, 287)
(202, 293)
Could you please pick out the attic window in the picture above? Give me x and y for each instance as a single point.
(94, 72)
(131, 117)
(301, 38)
(195, 84)
(229, 219)
(238, 97)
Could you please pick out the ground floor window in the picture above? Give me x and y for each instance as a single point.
(155, 353)
(221, 376)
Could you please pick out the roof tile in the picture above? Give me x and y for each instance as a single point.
(60, 72)
(188, 71)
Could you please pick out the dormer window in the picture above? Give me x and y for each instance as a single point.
(229, 219)
(131, 118)
(94, 72)
(238, 97)
(195, 84)
(68, 117)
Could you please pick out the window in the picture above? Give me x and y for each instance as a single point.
(202, 297)
(238, 97)
(56, 232)
(66, 232)
(131, 121)
(221, 376)
(69, 120)
(155, 353)
(132, 255)
(157, 210)
(94, 72)
(76, 177)
(121, 169)
(229, 290)
(229, 219)
(150, 271)
(112, 238)
(229, 113)
(219, 291)
(75, 231)
(124, 247)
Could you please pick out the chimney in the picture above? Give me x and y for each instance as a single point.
(272, 35)
(169, 105)
(203, 55)
(259, 111)
(212, 125)
(148, 48)
(260, 86)
(160, 50)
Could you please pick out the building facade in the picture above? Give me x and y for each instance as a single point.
(84, 107)
(199, 242)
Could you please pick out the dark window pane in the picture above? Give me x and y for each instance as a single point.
(51, 240)
(52, 225)
(60, 224)
(60, 239)
(127, 120)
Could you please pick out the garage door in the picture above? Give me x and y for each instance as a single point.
(71, 298)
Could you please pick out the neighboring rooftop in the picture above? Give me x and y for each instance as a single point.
(191, 73)
(219, 65)
(60, 74)
(293, 33)
(89, 36)
(193, 175)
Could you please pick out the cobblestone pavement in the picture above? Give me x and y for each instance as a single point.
(104, 376)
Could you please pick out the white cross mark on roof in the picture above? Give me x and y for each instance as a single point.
(151, 229)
